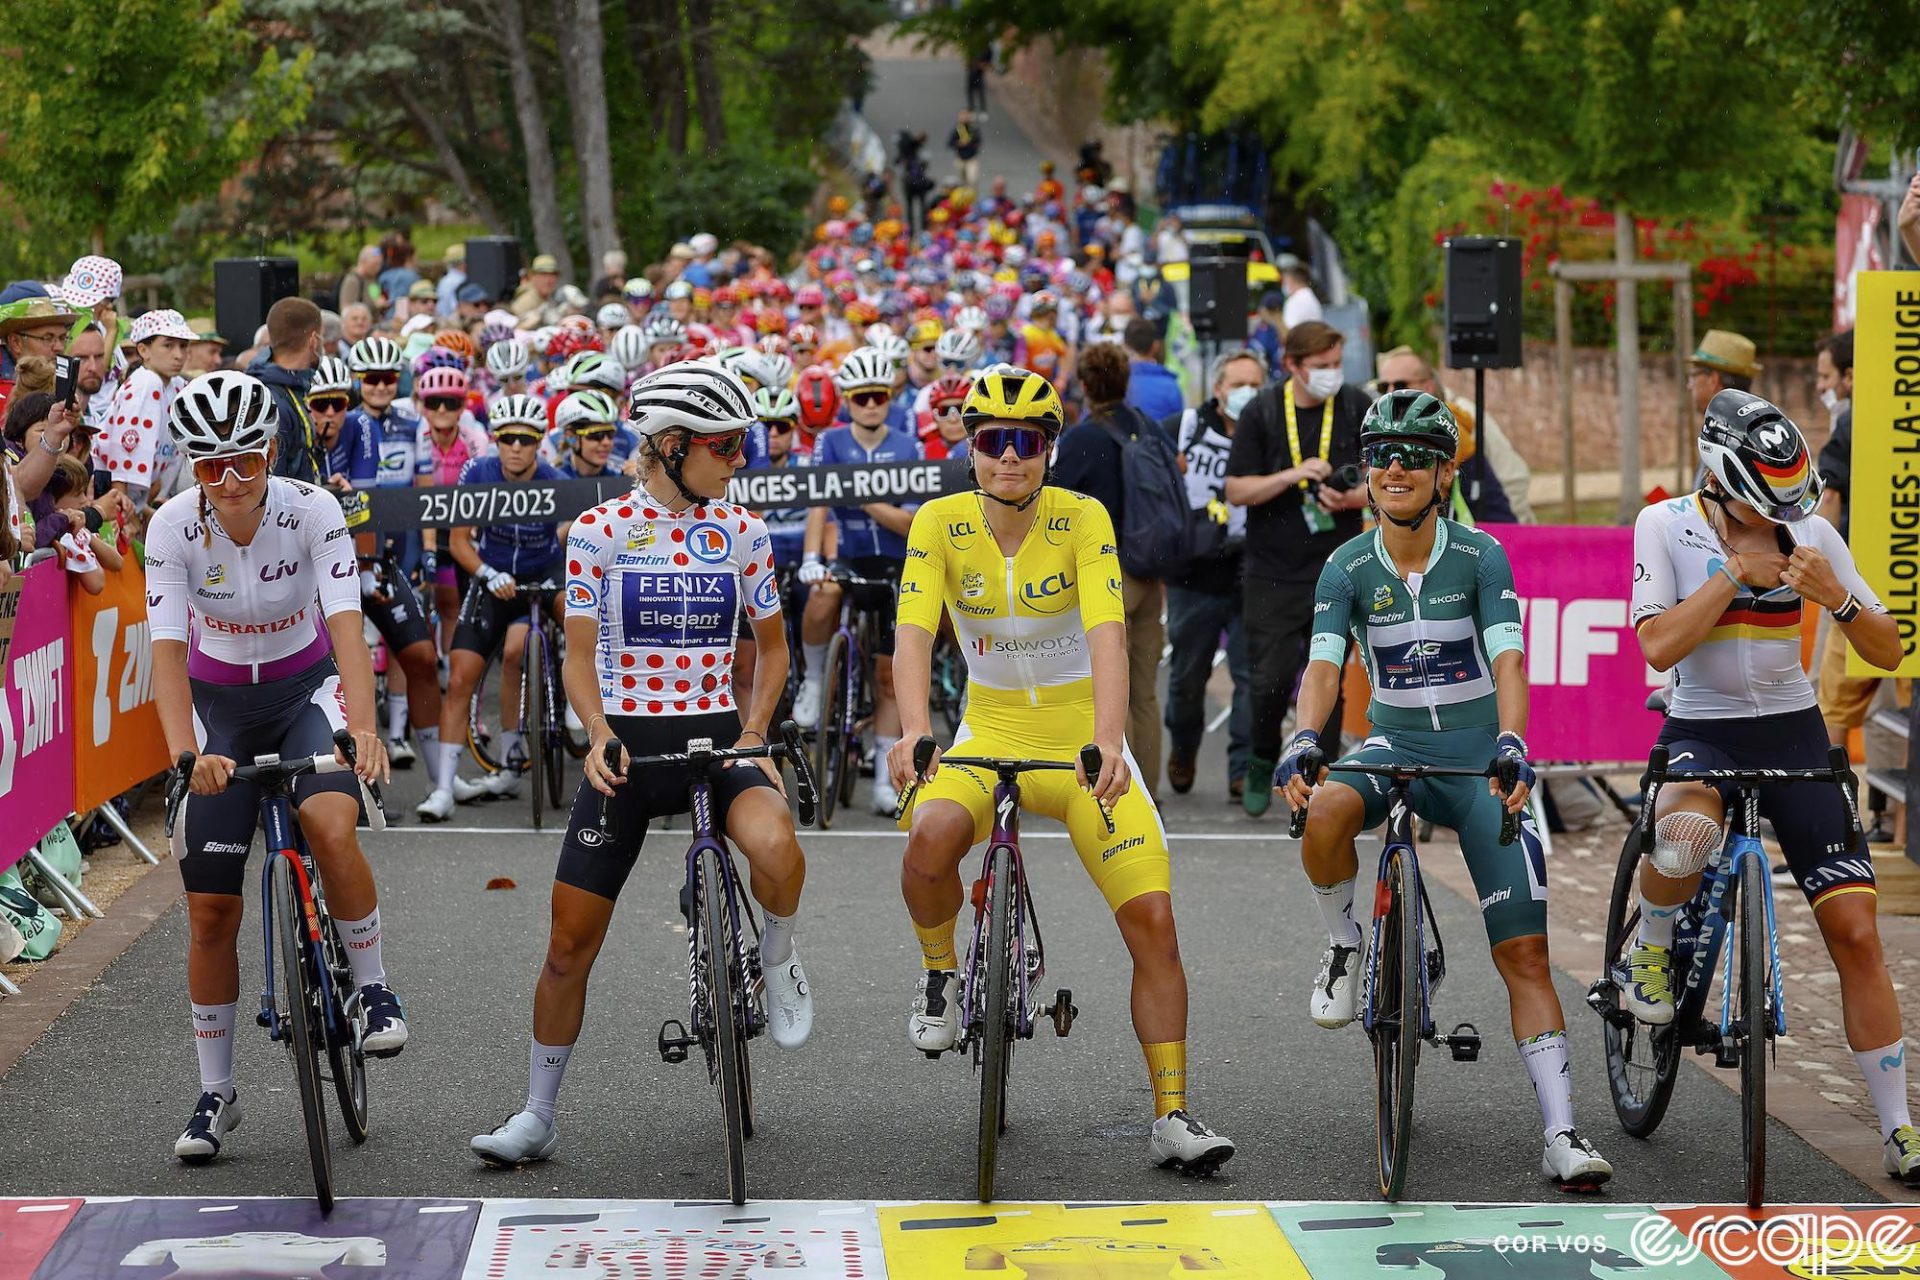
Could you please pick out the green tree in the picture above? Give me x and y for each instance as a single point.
(115, 116)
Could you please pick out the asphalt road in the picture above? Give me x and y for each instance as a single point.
(856, 1113)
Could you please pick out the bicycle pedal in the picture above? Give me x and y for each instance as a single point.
(673, 1048)
(1063, 1012)
(1465, 1043)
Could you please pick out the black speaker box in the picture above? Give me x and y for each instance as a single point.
(243, 291)
(1482, 309)
(1217, 298)
(493, 263)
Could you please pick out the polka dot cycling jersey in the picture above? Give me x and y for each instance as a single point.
(667, 588)
(128, 443)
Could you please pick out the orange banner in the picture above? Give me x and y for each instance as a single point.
(117, 741)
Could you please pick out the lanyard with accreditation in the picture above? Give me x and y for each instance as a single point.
(1318, 520)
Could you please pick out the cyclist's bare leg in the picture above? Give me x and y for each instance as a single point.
(821, 617)
(573, 943)
(446, 604)
(761, 827)
(1678, 797)
(213, 964)
(941, 834)
(464, 670)
(1868, 1007)
(1334, 816)
(512, 663)
(328, 821)
(886, 707)
(1159, 979)
(1532, 1002)
(419, 683)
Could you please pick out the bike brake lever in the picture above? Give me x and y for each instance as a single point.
(1090, 765)
(1297, 823)
(177, 790)
(804, 791)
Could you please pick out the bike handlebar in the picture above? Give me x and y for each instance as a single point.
(1839, 772)
(1404, 773)
(923, 750)
(271, 771)
(789, 747)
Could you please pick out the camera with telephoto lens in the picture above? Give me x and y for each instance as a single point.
(1350, 476)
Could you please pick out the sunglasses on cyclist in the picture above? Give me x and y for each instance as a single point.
(868, 399)
(244, 467)
(328, 404)
(526, 439)
(773, 425)
(380, 378)
(1026, 442)
(724, 447)
(947, 410)
(598, 431)
(1411, 457)
(444, 403)
(924, 346)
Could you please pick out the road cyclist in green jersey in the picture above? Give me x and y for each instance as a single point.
(1432, 606)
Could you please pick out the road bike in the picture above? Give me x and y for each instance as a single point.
(846, 690)
(724, 982)
(1405, 963)
(309, 1002)
(542, 709)
(1735, 897)
(1006, 962)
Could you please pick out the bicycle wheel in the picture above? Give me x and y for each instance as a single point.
(1398, 1014)
(483, 720)
(1642, 1061)
(344, 1034)
(533, 726)
(727, 1047)
(556, 747)
(829, 743)
(996, 1030)
(299, 1017)
(1751, 1018)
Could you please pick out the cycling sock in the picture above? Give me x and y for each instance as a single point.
(213, 1042)
(443, 769)
(1167, 1069)
(396, 718)
(428, 741)
(546, 1068)
(816, 656)
(936, 944)
(363, 949)
(1552, 1075)
(1336, 908)
(776, 943)
(880, 748)
(1656, 923)
(1886, 1071)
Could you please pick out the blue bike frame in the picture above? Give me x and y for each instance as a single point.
(1702, 931)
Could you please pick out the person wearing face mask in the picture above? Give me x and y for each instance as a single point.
(1293, 465)
(286, 367)
(1205, 600)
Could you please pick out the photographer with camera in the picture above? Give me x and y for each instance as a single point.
(1295, 467)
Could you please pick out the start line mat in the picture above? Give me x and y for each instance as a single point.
(123, 1238)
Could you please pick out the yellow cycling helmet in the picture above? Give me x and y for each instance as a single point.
(923, 333)
(1008, 393)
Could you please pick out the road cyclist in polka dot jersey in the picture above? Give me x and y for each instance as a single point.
(656, 583)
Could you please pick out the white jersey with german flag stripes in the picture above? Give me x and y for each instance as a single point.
(666, 589)
(1749, 664)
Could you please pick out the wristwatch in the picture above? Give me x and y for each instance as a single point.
(1849, 609)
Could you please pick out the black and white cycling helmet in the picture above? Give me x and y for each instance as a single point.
(612, 315)
(223, 413)
(894, 348)
(663, 329)
(375, 354)
(703, 396)
(630, 346)
(1759, 456)
(778, 368)
(519, 410)
(958, 347)
(508, 359)
(330, 374)
(865, 367)
(973, 319)
(597, 369)
(586, 409)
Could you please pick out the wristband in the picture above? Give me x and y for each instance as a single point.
(1849, 609)
(755, 732)
(601, 718)
(1737, 584)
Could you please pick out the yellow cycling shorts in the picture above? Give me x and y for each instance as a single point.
(1125, 864)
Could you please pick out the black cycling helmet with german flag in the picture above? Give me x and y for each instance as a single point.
(1758, 456)
(1008, 393)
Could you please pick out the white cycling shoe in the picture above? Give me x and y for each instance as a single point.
(886, 799)
(401, 752)
(1648, 994)
(523, 1139)
(1573, 1164)
(504, 785)
(214, 1117)
(789, 1002)
(1180, 1142)
(934, 1022)
(806, 704)
(1333, 987)
(467, 792)
(437, 807)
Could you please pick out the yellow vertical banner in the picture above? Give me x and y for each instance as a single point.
(1884, 502)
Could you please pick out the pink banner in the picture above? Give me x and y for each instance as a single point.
(36, 718)
(1588, 679)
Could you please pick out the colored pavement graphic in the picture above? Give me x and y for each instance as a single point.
(129, 1238)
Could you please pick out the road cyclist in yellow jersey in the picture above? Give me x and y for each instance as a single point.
(1029, 574)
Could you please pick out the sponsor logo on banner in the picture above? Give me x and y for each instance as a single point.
(1885, 498)
(36, 713)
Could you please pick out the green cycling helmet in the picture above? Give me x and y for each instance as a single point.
(1409, 414)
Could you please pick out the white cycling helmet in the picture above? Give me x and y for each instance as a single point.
(521, 410)
(877, 333)
(960, 347)
(864, 367)
(586, 408)
(330, 374)
(775, 404)
(508, 359)
(662, 328)
(893, 348)
(223, 413)
(374, 354)
(597, 369)
(970, 319)
(779, 369)
(612, 315)
(703, 396)
(630, 346)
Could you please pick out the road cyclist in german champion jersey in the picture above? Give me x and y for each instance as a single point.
(1432, 606)
(258, 650)
(655, 582)
(1029, 574)
(1720, 578)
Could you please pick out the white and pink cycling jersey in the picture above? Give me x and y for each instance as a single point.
(667, 588)
(443, 464)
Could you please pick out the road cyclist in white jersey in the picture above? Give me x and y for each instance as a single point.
(1720, 578)
(655, 582)
(258, 649)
